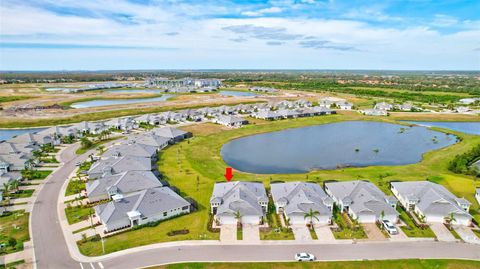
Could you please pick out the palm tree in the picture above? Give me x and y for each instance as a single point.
(238, 217)
(6, 187)
(311, 214)
(14, 185)
(451, 218)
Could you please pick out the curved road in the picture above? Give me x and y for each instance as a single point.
(52, 252)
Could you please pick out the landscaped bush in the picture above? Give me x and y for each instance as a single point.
(177, 232)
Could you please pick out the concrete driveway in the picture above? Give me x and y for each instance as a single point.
(373, 232)
(251, 233)
(301, 233)
(228, 233)
(442, 233)
(324, 233)
(466, 234)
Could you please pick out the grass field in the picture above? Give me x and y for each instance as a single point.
(193, 166)
(77, 213)
(387, 264)
(411, 230)
(13, 225)
(22, 194)
(74, 187)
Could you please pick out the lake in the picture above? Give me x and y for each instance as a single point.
(111, 102)
(332, 146)
(6, 134)
(237, 94)
(135, 91)
(463, 127)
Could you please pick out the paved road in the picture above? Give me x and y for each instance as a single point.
(359, 251)
(49, 244)
(51, 251)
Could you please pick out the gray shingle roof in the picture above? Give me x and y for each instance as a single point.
(121, 164)
(239, 196)
(300, 197)
(148, 203)
(433, 199)
(365, 197)
(169, 132)
(131, 149)
(125, 182)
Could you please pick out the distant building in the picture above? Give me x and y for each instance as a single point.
(383, 106)
(374, 112)
(230, 120)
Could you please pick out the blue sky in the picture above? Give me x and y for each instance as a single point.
(276, 34)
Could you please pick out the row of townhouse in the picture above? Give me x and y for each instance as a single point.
(184, 84)
(126, 178)
(330, 102)
(247, 202)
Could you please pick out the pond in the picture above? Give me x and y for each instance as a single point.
(111, 102)
(135, 91)
(332, 146)
(237, 94)
(463, 127)
(6, 134)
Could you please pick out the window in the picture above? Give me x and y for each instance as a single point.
(164, 214)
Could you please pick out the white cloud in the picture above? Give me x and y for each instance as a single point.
(261, 12)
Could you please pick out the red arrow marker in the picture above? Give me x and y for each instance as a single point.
(228, 173)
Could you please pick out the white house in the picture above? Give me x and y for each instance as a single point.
(363, 201)
(246, 200)
(295, 199)
(432, 201)
(140, 208)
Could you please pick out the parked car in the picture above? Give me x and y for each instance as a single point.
(389, 227)
(304, 257)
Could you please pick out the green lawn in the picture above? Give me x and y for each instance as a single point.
(14, 231)
(193, 166)
(74, 187)
(313, 234)
(387, 264)
(12, 265)
(4, 99)
(411, 230)
(36, 174)
(77, 213)
(22, 194)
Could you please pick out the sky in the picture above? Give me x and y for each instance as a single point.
(257, 34)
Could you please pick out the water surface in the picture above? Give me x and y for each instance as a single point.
(238, 93)
(463, 127)
(111, 102)
(332, 146)
(6, 134)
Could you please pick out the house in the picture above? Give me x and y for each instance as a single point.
(327, 102)
(323, 110)
(468, 101)
(477, 195)
(295, 199)
(14, 162)
(9, 177)
(231, 121)
(123, 183)
(246, 200)
(462, 109)
(114, 165)
(432, 201)
(175, 135)
(149, 139)
(383, 106)
(363, 201)
(374, 112)
(131, 149)
(141, 207)
(344, 105)
(267, 115)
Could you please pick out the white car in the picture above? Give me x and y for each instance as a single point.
(304, 257)
(389, 227)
